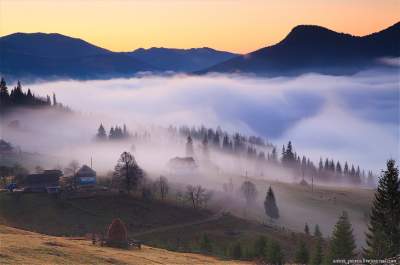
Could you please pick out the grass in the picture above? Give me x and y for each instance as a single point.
(145, 220)
(46, 214)
(22, 247)
(299, 205)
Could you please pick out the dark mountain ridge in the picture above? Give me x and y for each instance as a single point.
(40, 55)
(306, 48)
(309, 48)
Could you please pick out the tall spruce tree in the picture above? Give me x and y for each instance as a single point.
(383, 237)
(101, 133)
(301, 256)
(306, 229)
(342, 245)
(317, 231)
(274, 253)
(271, 209)
(317, 255)
(260, 247)
(4, 95)
(189, 147)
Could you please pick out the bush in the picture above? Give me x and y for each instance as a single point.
(117, 235)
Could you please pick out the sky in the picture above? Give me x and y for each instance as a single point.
(236, 25)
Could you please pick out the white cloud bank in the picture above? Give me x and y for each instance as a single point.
(354, 118)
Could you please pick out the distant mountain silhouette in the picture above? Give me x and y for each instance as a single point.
(55, 55)
(181, 60)
(316, 49)
(305, 49)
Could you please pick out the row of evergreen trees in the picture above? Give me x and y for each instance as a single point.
(326, 172)
(18, 98)
(115, 133)
(241, 146)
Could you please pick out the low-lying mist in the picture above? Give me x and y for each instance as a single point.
(353, 118)
(346, 118)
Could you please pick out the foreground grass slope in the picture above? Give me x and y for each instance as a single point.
(163, 225)
(22, 247)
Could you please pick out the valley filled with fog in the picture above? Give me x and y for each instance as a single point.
(351, 119)
(348, 118)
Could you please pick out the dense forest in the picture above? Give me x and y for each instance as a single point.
(18, 98)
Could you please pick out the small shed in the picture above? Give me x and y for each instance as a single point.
(86, 177)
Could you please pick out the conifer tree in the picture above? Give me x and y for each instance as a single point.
(101, 133)
(326, 165)
(342, 245)
(346, 169)
(383, 237)
(274, 156)
(216, 142)
(4, 95)
(260, 246)
(370, 179)
(320, 167)
(189, 147)
(317, 256)
(317, 231)
(306, 229)
(111, 135)
(271, 209)
(226, 145)
(206, 152)
(54, 100)
(338, 169)
(274, 253)
(301, 255)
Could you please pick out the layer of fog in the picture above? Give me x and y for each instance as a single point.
(347, 118)
(351, 118)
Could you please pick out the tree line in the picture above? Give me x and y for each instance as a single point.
(16, 97)
(116, 132)
(253, 148)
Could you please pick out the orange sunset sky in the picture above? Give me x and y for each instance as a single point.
(237, 26)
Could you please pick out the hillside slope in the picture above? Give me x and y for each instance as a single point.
(23, 247)
(309, 48)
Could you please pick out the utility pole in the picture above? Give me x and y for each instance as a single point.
(312, 184)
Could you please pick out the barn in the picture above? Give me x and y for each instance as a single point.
(47, 181)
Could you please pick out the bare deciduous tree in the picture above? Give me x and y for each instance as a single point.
(196, 195)
(127, 172)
